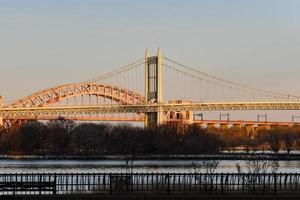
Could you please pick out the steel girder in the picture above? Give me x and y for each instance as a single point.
(142, 108)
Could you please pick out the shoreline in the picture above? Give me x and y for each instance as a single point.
(223, 156)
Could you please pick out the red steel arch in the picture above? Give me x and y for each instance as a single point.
(53, 95)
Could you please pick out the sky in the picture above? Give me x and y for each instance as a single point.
(51, 42)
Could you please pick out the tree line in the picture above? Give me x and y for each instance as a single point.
(272, 139)
(65, 137)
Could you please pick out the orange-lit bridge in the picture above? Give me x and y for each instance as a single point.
(154, 90)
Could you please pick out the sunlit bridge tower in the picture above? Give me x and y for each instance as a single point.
(153, 87)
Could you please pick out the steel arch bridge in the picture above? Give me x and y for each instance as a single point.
(149, 107)
(50, 96)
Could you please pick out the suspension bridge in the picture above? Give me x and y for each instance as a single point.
(154, 90)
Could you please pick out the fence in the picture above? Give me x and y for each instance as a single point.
(150, 183)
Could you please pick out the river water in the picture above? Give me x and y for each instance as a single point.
(107, 166)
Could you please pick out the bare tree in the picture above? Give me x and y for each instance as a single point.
(272, 137)
(205, 166)
(252, 171)
(257, 166)
(289, 137)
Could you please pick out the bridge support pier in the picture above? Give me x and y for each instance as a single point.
(211, 126)
(153, 88)
(223, 126)
(237, 126)
(249, 129)
(1, 106)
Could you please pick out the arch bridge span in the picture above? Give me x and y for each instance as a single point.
(51, 96)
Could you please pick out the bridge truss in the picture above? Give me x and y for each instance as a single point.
(107, 109)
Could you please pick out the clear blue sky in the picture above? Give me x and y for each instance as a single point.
(44, 43)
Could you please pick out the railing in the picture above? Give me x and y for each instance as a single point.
(151, 183)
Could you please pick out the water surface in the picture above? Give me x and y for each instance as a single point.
(107, 166)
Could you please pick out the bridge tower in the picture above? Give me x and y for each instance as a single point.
(153, 87)
(1, 105)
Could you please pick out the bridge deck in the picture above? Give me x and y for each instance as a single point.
(106, 109)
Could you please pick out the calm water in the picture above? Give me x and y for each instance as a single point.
(101, 166)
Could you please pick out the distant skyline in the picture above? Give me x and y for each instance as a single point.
(51, 42)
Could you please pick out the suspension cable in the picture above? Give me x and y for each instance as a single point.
(270, 93)
(118, 71)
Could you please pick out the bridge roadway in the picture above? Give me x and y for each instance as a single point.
(142, 108)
